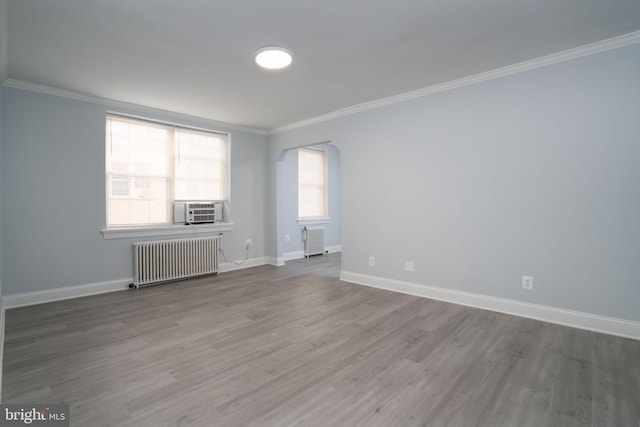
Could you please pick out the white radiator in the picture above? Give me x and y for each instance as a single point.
(313, 241)
(167, 260)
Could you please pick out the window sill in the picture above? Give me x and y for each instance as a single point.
(312, 221)
(169, 230)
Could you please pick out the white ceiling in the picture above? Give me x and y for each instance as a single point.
(195, 56)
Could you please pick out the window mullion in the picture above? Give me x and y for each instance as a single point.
(171, 173)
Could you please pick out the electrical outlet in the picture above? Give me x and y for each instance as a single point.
(372, 261)
(287, 238)
(527, 282)
(248, 243)
(409, 266)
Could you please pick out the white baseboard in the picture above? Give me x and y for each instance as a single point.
(576, 319)
(251, 262)
(290, 256)
(68, 292)
(332, 249)
(277, 262)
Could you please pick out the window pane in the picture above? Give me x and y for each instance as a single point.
(157, 211)
(312, 192)
(137, 167)
(118, 212)
(200, 165)
(120, 186)
(140, 211)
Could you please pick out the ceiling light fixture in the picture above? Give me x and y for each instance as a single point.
(273, 57)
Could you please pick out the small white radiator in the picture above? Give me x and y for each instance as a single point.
(167, 260)
(313, 241)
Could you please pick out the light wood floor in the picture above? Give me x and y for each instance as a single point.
(295, 346)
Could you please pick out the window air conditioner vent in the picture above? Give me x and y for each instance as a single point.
(197, 212)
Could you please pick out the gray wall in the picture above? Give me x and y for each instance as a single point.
(53, 193)
(288, 200)
(530, 174)
(1, 234)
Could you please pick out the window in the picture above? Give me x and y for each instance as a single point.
(312, 183)
(149, 165)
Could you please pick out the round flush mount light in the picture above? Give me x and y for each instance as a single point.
(273, 57)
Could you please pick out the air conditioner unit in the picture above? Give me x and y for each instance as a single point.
(197, 212)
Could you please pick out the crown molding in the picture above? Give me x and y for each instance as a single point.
(112, 103)
(555, 58)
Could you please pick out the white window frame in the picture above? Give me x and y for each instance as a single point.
(132, 231)
(319, 219)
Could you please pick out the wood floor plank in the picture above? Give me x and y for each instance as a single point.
(294, 345)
